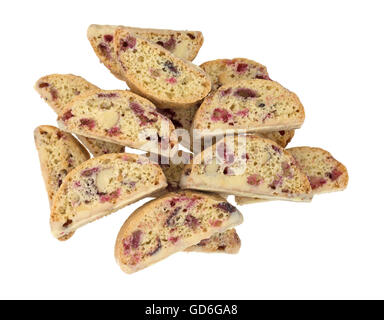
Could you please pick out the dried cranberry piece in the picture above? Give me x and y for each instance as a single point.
(157, 248)
(114, 131)
(67, 115)
(246, 93)
(242, 67)
(170, 44)
(242, 113)
(136, 239)
(89, 172)
(334, 174)
(262, 76)
(54, 93)
(107, 95)
(221, 248)
(108, 37)
(226, 92)
(171, 80)
(221, 115)
(227, 207)
(90, 123)
(136, 108)
(254, 180)
(139, 112)
(168, 65)
(43, 85)
(276, 149)
(316, 182)
(171, 218)
(190, 35)
(192, 221)
(276, 182)
(173, 239)
(105, 50)
(282, 132)
(128, 43)
(59, 135)
(110, 197)
(203, 242)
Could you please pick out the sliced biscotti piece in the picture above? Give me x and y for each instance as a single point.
(120, 117)
(226, 242)
(249, 106)
(170, 224)
(157, 74)
(183, 44)
(60, 89)
(324, 172)
(59, 153)
(101, 186)
(225, 71)
(101, 40)
(247, 166)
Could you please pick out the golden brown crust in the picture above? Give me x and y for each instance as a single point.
(59, 153)
(183, 44)
(101, 186)
(142, 221)
(164, 80)
(248, 166)
(126, 119)
(225, 71)
(60, 89)
(324, 172)
(249, 106)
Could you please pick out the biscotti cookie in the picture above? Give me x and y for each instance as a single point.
(225, 71)
(59, 153)
(247, 166)
(249, 106)
(157, 74)
(170, 224)
(324, 172)
(120, 117)
(183, 44)
(60, 89)
(101, 186)
(226, 242)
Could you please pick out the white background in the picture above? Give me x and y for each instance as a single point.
(329, 52)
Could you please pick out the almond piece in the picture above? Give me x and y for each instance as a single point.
(103, 180)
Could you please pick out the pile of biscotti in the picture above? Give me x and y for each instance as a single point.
(234, 120)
